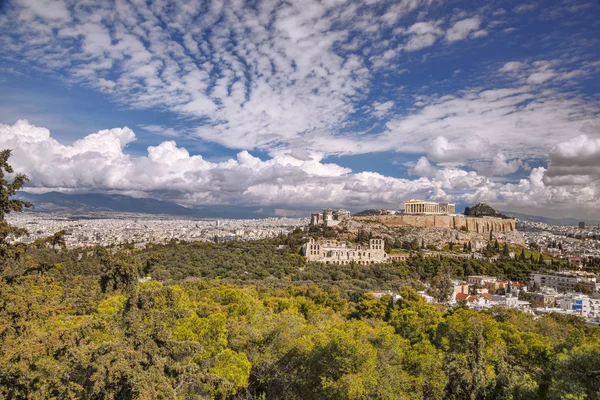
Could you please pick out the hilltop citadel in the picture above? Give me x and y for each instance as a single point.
(431, 223)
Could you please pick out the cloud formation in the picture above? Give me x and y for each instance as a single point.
(99, 162)
(303, 80)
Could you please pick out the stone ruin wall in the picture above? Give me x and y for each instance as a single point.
(468, 224)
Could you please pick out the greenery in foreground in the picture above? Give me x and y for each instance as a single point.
(243, 320)
(246, 321)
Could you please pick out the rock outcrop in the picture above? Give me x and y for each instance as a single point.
(465, 224)
(436, 230)
(482, 210)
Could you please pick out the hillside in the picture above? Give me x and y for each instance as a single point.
(567, 221)
(246, 320)
(395, 229)
(97, 202)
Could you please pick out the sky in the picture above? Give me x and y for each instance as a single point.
(299, 105)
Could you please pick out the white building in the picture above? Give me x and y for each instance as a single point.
(428, 207)
(581, 305)
(565, 281)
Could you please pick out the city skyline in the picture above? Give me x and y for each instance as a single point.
(297, 106)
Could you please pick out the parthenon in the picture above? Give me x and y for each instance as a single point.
(428, 207)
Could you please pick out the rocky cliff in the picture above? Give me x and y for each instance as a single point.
(436, 230)
(465, 224)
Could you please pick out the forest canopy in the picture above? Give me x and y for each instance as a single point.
(246, 320)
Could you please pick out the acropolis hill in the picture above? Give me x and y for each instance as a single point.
(435, 230)
(428, 223)
(465, 224)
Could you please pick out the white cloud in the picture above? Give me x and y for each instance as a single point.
(161, 130)
(442, 150)
(575, 162)
(499, 165)
(423, 168)
(512, 66)
(381, 109)
(523, 8)
(266, 76)
(521, 122)
(98, 162)
(422, 34)
(461, 29)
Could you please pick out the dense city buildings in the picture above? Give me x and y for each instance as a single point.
(569, 243)
(115, 228)
(428, 207)
(567, 281)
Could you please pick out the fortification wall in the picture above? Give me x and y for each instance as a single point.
(468, 224)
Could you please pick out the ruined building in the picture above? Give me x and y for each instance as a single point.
(337, 252)
(329, 217)
(428, 207)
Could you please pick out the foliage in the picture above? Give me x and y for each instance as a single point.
(246, 320)
(7, 204)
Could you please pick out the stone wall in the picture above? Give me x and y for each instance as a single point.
(467, 224)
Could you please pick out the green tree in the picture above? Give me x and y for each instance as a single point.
(58, 239)
(441, 288)
(578, 374)
(7, 204)
(119, 271)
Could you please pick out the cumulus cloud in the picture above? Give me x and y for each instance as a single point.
(99, 162)
(575, 162)
(423, 168)
(499, 165)
(442, 150)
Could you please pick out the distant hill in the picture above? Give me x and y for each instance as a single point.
(482, 210)
(550, 221)
(367, 213)
(96, 202)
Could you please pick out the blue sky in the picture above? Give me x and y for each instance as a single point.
(301, 105)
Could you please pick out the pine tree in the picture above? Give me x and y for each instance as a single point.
(8, 205)
(522, 256)
(8, 190)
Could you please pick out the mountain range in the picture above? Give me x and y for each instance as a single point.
(567, 221)
(96, 202)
